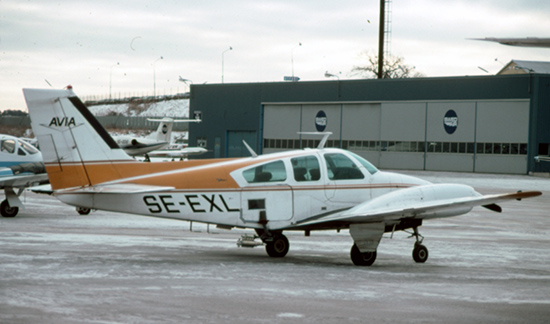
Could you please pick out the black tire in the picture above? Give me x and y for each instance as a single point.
(8, 211)
(362, 259)
(83, 210)
(278, 247)
(420, 253)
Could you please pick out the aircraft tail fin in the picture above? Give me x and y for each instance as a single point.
(164, 131)
(76, 149)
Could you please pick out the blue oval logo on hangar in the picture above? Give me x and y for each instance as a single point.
(321, 121)
(450, 121)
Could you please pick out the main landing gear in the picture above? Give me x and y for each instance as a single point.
(276, 244)
(419, 253)
(6, 210)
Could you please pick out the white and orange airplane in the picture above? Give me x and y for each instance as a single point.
(302, 190)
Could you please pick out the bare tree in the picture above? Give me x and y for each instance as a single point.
(394, 68)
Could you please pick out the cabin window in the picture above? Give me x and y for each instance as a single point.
(340, 167)
(269, 172)
(306, 168)
(8, 146)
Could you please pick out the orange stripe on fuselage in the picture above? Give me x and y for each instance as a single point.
(193, 174)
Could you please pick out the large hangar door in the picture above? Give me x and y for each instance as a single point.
(281, 124)
(402, 136)
(450, 136)
(361, 130)
(502, 136)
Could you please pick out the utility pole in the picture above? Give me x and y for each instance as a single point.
(381, 40)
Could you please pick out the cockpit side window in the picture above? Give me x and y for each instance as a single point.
(340, 167)
(306, 168)
(7, 146)
(269, 172)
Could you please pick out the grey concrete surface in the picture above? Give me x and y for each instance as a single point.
(59, 267)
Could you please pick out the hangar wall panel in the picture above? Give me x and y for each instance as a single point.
(503, 121)
(403, 121)
(400, 160)
(362, 121)
(281, 121)
(501, 163)
(402, 135)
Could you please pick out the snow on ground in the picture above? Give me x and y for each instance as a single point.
(168, 108)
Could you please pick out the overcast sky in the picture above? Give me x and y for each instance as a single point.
(71, 42)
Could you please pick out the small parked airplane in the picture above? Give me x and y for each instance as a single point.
(302, 190)
(20, 167)
(158, 140)
(177, 151)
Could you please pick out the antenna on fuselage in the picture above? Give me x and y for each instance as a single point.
(323, 140)
(250, 149)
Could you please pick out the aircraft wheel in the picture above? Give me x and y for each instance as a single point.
(83, 210)
(278, 247)
(8, 211)
(420, 253)
(362, 259)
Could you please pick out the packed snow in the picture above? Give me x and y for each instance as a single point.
(168, 108)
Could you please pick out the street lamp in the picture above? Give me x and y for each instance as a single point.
(229, 49)
(330, 75)
(155, 77)
(111, 78)
(292, 59)
(185, 81)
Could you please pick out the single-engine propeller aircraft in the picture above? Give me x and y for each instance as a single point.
(302, 190)
(158, 140)
(20, 167)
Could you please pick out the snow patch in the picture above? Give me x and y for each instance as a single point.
(168, 108)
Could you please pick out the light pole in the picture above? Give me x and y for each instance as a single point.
(330, 75)
(229, 49)
(292, 59)
(111, 78)
(155, 77)
(185, 81)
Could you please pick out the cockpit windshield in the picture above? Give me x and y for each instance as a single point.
(29, 148)
(371, 168)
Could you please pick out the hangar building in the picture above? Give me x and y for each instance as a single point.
(495, 124)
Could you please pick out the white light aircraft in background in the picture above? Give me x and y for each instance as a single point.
(302, 190)
(178, 151)
(20, 167)
(158, 140)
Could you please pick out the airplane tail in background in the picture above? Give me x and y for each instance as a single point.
(164, 131)
(72, 140)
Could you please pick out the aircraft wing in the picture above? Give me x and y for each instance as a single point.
(411, 204)
(22, 180)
